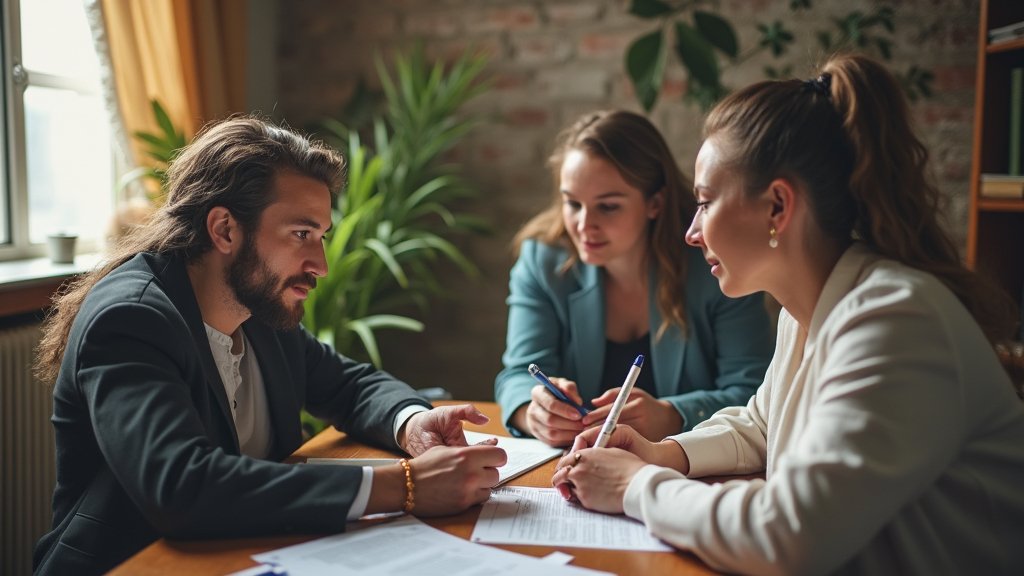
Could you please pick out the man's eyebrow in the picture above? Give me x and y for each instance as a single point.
(311, 223)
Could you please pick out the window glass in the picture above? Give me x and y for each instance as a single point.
(70, 172)
(55, 39)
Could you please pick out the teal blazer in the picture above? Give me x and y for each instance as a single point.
(557, 321)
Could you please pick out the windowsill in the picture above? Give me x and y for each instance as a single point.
(27, 286)
(16, 274)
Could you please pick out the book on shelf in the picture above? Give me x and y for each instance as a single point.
(1020, 336)
(1016, 118)
(1006, 33)
(1002, 186)
(1020, 311)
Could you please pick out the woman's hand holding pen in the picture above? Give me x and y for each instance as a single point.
(651, 417)
(598, 477)
(548, 419)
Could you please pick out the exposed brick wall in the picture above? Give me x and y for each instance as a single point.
(550, 62)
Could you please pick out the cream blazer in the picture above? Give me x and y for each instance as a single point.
(889, 434)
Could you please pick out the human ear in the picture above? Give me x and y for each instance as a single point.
(781, 198)
(654, 204)
(223, 229)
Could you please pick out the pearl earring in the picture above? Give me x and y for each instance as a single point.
(773, 241)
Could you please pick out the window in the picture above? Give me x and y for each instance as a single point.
(58, 171)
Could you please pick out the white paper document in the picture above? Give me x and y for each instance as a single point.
(524, 454)
(539, 516)
(407, 547)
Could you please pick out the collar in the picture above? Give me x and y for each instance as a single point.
(844, 277)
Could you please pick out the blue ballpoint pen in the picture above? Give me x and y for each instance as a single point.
(536, 373)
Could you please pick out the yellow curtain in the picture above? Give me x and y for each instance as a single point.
(188, 54)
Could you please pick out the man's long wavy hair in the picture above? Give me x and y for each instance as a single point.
(849, 141)
(231, 163)
(631, 144)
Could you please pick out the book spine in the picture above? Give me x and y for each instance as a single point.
(1020, 311)
(1016, 105)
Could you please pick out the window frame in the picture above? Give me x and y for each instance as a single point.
(14, 198)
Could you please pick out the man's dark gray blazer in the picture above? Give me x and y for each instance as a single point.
(146, 446)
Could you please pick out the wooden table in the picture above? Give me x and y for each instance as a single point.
(218, 557)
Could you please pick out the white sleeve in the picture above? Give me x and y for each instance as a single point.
(363, 495)
(882, 423)
(358, 507)
(403, 415)
(734, 439)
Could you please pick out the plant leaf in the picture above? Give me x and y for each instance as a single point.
(378, 321)
(697, 55)
(163, 120)
(775, 37)
(645, 64)
(367, 338)
(718, 31)
(388, 258)
(649, 8)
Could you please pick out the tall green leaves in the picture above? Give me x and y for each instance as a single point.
(395, 222)
(161, 147)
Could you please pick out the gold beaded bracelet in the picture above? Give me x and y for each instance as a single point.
(410, 487)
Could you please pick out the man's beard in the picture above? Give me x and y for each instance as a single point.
(261, 291)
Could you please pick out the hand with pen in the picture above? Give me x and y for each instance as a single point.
(653, 418)
(555, 412)
(596, 475)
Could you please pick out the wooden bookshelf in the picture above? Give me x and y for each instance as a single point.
(995, 226)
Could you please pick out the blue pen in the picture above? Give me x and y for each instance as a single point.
(536, 373)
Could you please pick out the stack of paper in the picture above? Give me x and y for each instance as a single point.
(524, 454)
(539, 516)
(405, 547)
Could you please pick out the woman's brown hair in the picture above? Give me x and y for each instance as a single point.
(846, 137)
(231, 163)
(637, 150)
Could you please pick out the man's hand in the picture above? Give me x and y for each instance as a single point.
(447, 480)
(441, 426)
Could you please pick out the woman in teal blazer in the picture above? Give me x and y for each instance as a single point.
(603, 275)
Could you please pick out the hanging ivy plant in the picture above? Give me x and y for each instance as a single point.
(705, 43)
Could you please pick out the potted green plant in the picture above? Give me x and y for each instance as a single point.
(160, 146)
(396, 220)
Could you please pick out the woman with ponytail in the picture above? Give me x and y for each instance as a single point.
(889, 436)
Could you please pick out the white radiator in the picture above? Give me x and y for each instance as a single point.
(28, 475)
